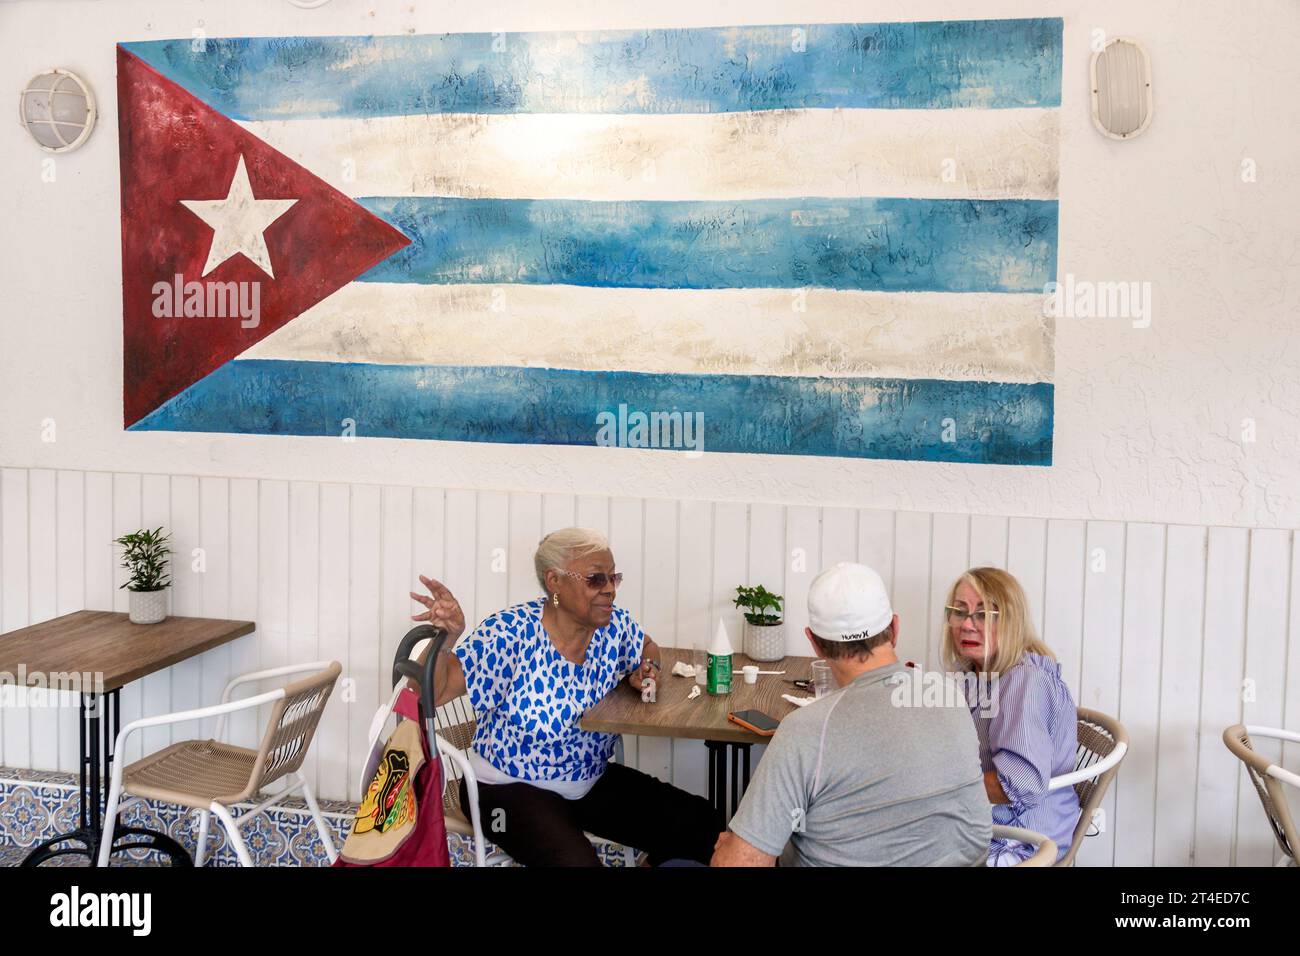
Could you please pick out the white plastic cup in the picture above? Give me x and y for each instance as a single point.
(700, 659)
(751, 673)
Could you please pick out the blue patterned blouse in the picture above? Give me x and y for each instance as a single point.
(528, 698)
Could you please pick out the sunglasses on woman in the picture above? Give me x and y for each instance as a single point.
(597, 580)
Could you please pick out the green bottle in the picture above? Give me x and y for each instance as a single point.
(720, 662)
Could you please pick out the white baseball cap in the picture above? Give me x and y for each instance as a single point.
(847, 602)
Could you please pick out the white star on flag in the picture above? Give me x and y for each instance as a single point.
(238, 222)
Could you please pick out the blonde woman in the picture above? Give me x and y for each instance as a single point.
(1027, 731)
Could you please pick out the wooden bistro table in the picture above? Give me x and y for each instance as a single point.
(108, 644)
(705, 717)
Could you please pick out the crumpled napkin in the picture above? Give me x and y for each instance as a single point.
(682, 669)
(798, 701)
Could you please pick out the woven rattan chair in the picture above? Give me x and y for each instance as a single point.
(211, 776)
(1045, 849)
(1268, 779)
(1103, 741)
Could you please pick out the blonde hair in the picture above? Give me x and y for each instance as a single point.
(558, 548)
(1000, 591)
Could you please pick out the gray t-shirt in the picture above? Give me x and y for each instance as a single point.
(855, 780)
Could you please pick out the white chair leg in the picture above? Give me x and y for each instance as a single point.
(201, 848)
(322, 828)
(476, 820)
(110, 823)
(232, 832)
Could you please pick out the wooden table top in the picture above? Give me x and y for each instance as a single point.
(106, 642)
(705, 717)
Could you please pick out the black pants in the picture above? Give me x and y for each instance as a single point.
(540, 828)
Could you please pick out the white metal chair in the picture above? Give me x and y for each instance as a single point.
(1044, 848)
(1103, 742)
(1268, 779)
(211, 776)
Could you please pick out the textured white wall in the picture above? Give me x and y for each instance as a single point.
(1148, 421)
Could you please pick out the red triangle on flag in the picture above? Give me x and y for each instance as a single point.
(175, 148)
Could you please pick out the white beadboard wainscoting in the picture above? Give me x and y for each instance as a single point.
(1180, 631)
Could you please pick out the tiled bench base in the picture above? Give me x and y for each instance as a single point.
(37, 804)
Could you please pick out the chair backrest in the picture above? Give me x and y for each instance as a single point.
(293, 723)
(1270, 790)
(421, 660)
(1098, 735)
(454, 722)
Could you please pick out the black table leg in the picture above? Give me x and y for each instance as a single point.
(708, 744)
(97, 734)
(717, 776)
(735, 779)
(725, 790)
(82, 750)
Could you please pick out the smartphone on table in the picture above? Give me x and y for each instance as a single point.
(754, 720)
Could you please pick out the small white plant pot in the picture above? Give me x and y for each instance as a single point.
(148, 607)
(764, 642)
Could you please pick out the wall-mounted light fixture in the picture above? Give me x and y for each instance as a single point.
(1121, 89)
(58, 109)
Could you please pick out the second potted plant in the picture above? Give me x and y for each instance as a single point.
(144, 555)
(764, 635)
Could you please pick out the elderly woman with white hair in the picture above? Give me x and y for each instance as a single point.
(531, 672)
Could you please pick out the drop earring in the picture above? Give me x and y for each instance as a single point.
(555, 599)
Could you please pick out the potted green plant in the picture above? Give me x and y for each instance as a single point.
(764, 634)
(145, 557)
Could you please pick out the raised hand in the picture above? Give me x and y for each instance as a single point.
(442, 609)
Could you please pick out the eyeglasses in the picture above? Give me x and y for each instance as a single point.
(596, 581)
(959, 616)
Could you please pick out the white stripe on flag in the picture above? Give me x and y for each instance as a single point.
(927, 154)
(956, 336)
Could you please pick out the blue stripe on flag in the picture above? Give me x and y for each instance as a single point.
(938, 65)
(846, 417)
(890, 245)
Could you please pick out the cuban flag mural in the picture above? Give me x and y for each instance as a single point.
(822, 240)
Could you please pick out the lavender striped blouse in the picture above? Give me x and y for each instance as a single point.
(1031, 738)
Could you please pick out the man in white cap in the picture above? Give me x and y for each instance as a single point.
(853, 779)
